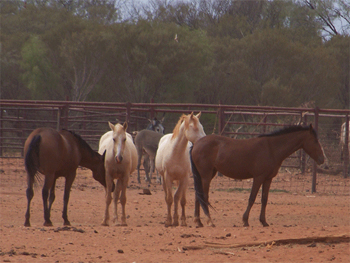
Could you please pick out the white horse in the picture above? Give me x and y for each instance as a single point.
(120, 162)
(173, 162)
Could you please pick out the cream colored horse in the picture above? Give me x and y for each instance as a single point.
(120, 162)
(173, 162)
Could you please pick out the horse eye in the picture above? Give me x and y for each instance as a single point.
(124, 140)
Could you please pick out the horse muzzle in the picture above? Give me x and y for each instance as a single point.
(320, 160)
(119, 159)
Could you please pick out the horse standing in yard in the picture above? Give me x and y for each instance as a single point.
(120, 162)
(58, 154)
(146, 142)
(258, 158)
(173, 163)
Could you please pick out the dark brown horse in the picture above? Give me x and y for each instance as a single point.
(58, 154)
(258, 158)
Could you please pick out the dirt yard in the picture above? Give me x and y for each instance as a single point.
(303, 227)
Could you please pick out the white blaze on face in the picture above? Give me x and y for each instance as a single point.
(119, 139)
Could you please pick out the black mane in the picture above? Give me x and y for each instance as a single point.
(82, 142)
(289, 129)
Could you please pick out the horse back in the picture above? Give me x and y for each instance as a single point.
(54, 151)
(234, 158)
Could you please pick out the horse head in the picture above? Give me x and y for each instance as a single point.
(193, 127)
(313, 147)
(119, 139)
(156, 125)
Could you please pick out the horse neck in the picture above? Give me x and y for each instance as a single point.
(287, 144)
(180, 141)
(88, 159)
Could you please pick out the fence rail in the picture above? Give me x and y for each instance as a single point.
(89, 119)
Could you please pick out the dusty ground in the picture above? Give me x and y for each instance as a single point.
(146, 239)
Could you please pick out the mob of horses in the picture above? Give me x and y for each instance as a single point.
(175, 156)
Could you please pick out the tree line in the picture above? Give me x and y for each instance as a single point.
(263, 52)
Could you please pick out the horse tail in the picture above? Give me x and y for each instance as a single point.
(31, 160)
(198, 187)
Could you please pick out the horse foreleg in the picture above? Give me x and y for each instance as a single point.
(116, 195)
(109, 184)
(183, 200)
(30, 195)
(255, 189)
(264, 197)
(69, 181)
(167, 186)
(139, 157)
(146, 165)
(123, 199)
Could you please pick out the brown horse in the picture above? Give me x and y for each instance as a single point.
(258, 158)
(58, 154)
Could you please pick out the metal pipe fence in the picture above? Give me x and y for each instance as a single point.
(89, 119)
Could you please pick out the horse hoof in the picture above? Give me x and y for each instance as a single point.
(245, 224)
(104, 224)
(48, 224)
(26, 224)
(66, 223)
(265, 224)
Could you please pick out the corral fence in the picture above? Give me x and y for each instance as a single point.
(89, 119)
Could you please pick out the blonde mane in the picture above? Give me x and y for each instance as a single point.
(177, 127)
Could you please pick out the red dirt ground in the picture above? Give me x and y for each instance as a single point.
(146, 239)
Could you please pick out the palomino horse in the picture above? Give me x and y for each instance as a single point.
(120, 162)
(258, 158)
(146, 142)
(173, 162)
(58, 154)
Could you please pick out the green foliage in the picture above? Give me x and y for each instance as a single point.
(38, 73)
(234, 52)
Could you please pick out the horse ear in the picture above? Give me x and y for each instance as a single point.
(199, 115)
(191, 116)
(125, 126)
(111, 126)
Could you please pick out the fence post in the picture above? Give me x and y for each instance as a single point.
(221, 119)
(314, 170)
(1, 131)
(128, 113)
(303, 155)
(346, 147)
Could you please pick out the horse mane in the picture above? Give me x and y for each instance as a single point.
(82, 142)
(177, 127)
(289, 129)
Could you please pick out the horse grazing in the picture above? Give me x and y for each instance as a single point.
(146, 142)
(120, 162)
(258, 158)
(173, 163)
(58, 154)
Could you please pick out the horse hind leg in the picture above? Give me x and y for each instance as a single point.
(30, 195)
(49, 181)
(183, 190)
